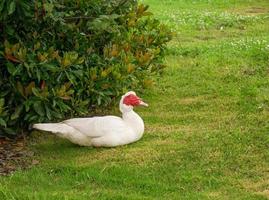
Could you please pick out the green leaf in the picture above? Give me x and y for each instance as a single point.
(99, 99)
(48, 112)
(39, 108)
(28, 89)
(10, 131)
(20, 88)
(2, 102)
(80, 60)
(2, 3)
(38, 75)
(63, 107)
(17, 112)
(79, 73)
(71, 78)
(36, 92)
(48, 7)
(10, 30)
(2, 122)
(11, 68)
(51, 67)
(27, 105)
(57, 114)
(11, 7)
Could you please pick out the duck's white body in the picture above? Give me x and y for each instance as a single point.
(107, 131)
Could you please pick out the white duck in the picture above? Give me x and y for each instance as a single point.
(106, 131)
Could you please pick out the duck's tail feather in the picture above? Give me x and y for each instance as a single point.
(60, 129)
(65, 131)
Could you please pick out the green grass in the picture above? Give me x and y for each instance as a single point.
(207, 130)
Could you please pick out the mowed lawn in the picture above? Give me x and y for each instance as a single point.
(207, 126)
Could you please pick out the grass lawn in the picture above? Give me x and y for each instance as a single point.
(207, 129)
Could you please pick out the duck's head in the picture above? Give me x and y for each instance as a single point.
(129, 101)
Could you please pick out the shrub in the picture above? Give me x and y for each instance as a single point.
(60, 58)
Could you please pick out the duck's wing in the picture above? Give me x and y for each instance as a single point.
(96, 126)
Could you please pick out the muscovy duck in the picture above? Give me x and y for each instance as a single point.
(104, 131)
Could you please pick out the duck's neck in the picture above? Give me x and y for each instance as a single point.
(134, 121)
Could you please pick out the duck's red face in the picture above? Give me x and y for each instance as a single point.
(133, 100)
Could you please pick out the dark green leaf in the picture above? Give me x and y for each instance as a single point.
(36, 92)
(48, 112)
(56, 114)
(71, 78)
(2, 102)
(11, 7)
(38, 75)
(2, 3)
(11, 68)
(27, 105)
(2, 122)
(99, 99)
(20, 88)
(38, 107)
(17, 112)
(50, 67)
(10, 131)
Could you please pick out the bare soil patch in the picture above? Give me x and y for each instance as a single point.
(14, 155)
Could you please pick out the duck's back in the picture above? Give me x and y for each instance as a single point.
(97, 126)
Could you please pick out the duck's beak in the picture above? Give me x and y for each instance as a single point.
(142, 103)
